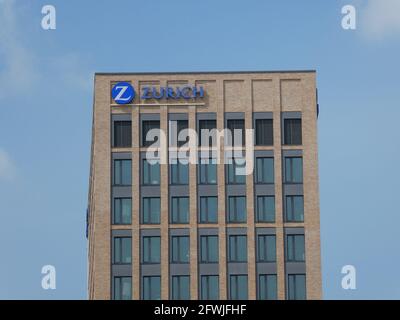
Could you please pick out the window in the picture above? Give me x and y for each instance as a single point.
(294, 208)
(207, 137)
(151, 210)
(267, 287)
(180, 249)
(122, 250)
(237, 211)
(122, 288)
(208, 171)
(264, 132)
(179, 210)
(177, 133)
(179, 173)
(266, 248)
(236, 172)
(122, 134)
(148, 125)
(265, 170)
(180, 288)
(122, 211)
(151, 288)
(122, 172)
(151, 172)
(292, 135)
(151, 249)
(209, 249)
(236, 136)
(238, 287)
(237, 248)
(296, 287)
(295, 251)
(294, 170)
(265, 209)
(209, 288)
(208, 209)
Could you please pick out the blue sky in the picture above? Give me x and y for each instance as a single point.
(45, 120)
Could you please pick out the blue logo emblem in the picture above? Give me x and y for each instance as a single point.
(123, 93)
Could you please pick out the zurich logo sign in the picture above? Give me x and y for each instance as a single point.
(123, 93)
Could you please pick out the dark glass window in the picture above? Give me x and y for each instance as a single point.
(294, 170)
(265, 209)
(208, 171)
(122, 172)
(294, 208)
(265, 170)
(179, 210)
(237, 211)
(122, 250)
(122, 134)
(179, 173)
(177, 132)
(208, 209)
(151, 288)
(122, 211)
(295, 248)
(148, 125)
(236, 172)
(238, 287)
(151, 210)
(151, 172)
(264, 132)
(122, 288)
(267, 287)
(237, 248)
(236, 137)
(151, 249)
(207, 136)
(209, 288)
(296, 287)
(266, 248)
(292, 132)
(179, 249)
(209, 249)
(180, 287)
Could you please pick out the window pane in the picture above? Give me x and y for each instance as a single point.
(296, 287)
(146, 127)
(292, 132)
(126, 288)
(206, 137)
(117, 250)
(297, 170)
(126, 250)
(126, 172)
(236, 136)
(264, 132)
(237, 211)
(151, 288)
(122, 134)
(295, 250)
(180, 249)
(208, 209)
(266, 248)
(180, 288)
(209, 288)
(265, 209)
(117, 211)
(238, 287)
(267, 287)
(265, 170)
(294, 208)
(237, 248)
(151, 210)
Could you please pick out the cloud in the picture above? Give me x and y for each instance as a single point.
(7, 167)
(380, 19)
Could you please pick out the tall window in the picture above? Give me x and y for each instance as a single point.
(208, 171)
(151, 210)
(294, 209)
(122, 172)
(265, 209)
(206, 134)
(151, 172)
(294, 170)
(236, 137)
(122, 134)
(122, 250)
(208, 249)
(264, 132)
(179, 210)
(151, 288)
(266, 248)
(151, 249)
(296, 287)
(267, 287)
(148, 125)
(122, 211)
(237, 211)
(292, 132)
(295, 248)
(179, 173)
(209, 288)
(236, 172)
(238, 287)
(180, 288)
(208, 209)
(265, 170)
(177, 132)
(122, 288)
(179, 249)
(237, 248)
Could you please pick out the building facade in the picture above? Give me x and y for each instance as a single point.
(198, 229)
